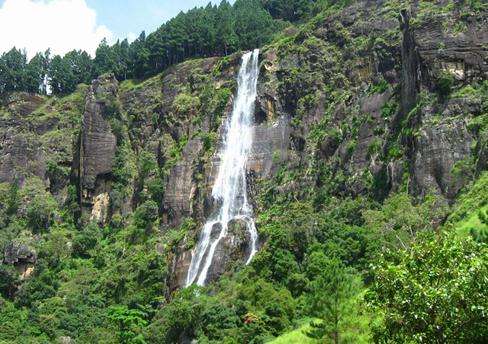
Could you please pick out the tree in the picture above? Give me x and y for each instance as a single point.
(81, 66)
(228, 40)
(36, 72)
(432, 292)
(399, 220)
(178, 319)
(130, 322)
(38, 205)
(138, 57)
(12, 70)
(105, 60)
(332, 296)
(200, 32)
(253, 25)
(61, 77)
(291, 10)
(120, 53)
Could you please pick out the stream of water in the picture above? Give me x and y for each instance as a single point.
(230, 188)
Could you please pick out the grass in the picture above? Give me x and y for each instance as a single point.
(135, 84)
(465, 214)
(296, 336)
(464, 227)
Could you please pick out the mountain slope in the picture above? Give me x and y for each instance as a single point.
(370, 128)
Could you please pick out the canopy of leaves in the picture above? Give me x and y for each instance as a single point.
(214, 30)
(434, 292)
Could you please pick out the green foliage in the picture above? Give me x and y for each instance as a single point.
(176, 319)
(111, 110)
(399, 220)
(434, 292)
(468, 216)
(8, 280)
(374, 147)
(379, 87)
(444, 84)
(332, 293)
(130, 322)
(146, 214)
(201, 32)
(389, 109)
(113, 283)
(66, 72)
(38, 205)
(12, 66)
(296, 336)
(291, 10)
(124, 171)
(13, 322)
(186, 104)
(86, 240)
(147, 163)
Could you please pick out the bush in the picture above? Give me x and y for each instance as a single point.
(176, 320)
(86, 240)
(38, 206)
(399, 220)
(186, 104)
(433, 292)
(130, 322)
(444, 84)
(146, 214)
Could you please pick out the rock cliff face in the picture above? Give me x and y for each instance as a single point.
(96, 154)
(368, 100)
(37, 138)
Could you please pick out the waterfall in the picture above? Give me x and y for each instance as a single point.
(230, 188)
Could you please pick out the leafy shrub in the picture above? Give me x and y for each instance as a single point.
(86, 239)
(379, 87)
(130, 323)
(146, 214)
(38, 205)
(186, 104)
(444, 83)
(399, 220)
(176, 320)
(433, 292)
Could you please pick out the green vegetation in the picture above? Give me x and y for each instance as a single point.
(435, 292)
(298, 336)
(350, 250)
(214, 30)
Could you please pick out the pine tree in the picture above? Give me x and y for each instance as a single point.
(35, 73)
(61, 77)
(332, 299)
(226, 29)
(104, 60)
(81, 66)
(138, 57)
(12, 70)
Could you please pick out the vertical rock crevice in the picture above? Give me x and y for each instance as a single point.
(97, 146)
(410, 72)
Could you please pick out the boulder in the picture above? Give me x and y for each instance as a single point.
(17, 253)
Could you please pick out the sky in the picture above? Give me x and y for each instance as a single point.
(64, 25)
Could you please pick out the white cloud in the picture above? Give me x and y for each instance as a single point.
(131, 37)
(61, 25)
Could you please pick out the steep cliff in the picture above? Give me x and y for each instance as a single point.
(358, 104)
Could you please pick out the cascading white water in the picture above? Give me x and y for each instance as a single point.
(230, 188)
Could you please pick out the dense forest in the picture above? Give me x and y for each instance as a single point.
(368, 179)
(201, 32)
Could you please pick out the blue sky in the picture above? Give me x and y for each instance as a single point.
(64, 25)
(124, 17)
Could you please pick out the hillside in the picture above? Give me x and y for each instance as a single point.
(367, 178)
